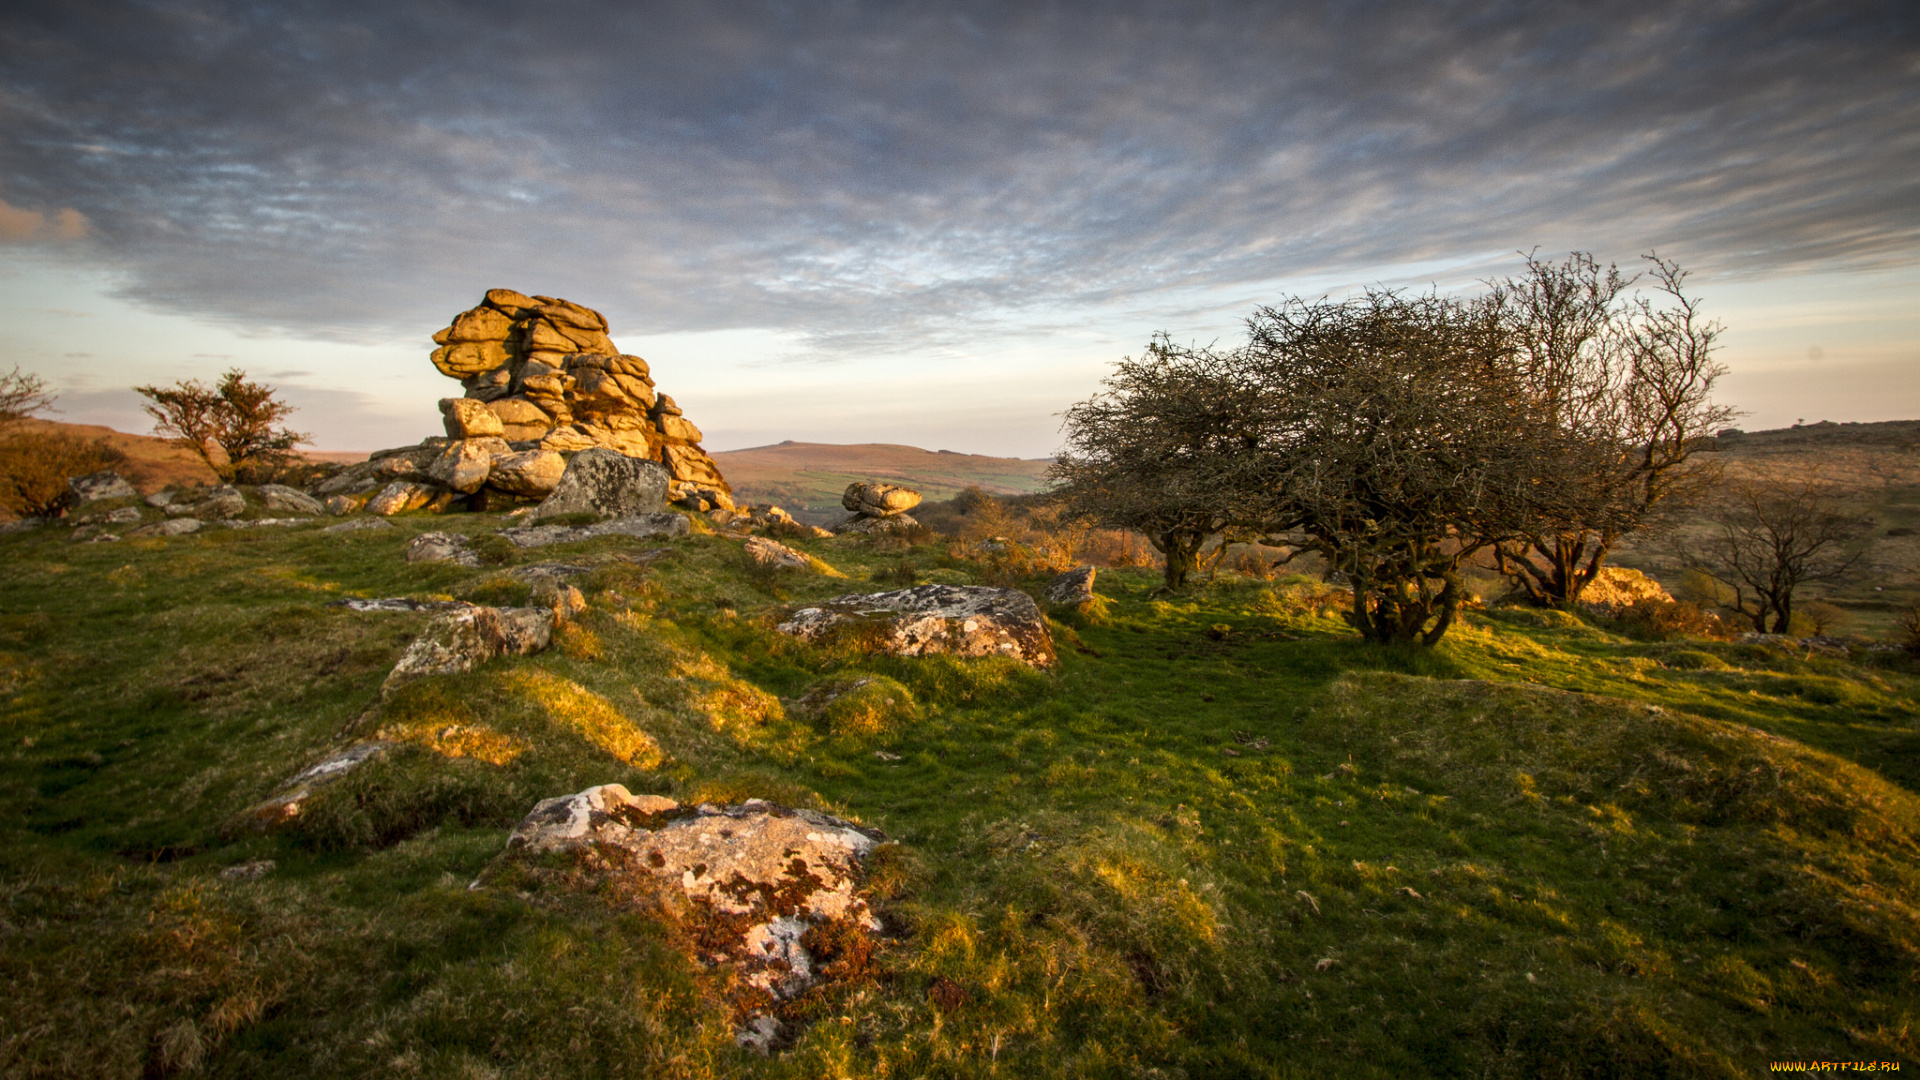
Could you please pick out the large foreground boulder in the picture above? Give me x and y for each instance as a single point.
(758, 884)
(609, 484)
(960, 620)
(463, 639)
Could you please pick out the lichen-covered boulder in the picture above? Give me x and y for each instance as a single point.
(752, 880)
(100, 485)
(642, 525)
(285, 500)
(610, 484)
(960, 620)
(766, 552)
(465, 638)
(441, 547)
(1072, 588)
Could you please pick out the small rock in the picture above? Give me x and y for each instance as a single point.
(249, 871)
(171, 527)
(286, 500)
(463, 639)
(441, 547)
(123, 515)
(286, 803)
(93, 534)
(1073, 588)
(768, 553)
(160, 498)
(396, 603)
(759, 1034)
(100, 485)
(342, 505)
(359, 524)
(664, 524)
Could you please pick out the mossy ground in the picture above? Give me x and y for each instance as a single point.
(1224, 838)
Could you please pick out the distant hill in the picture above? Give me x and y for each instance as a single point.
(810, 476)
(153, 463)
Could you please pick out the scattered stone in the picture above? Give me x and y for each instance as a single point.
(160, 498)
(768, 553)
(100, 485)
(401, 496)
(172, 527)
(441, 547)
(961, 620)
(120, 515)
(550, 588)
(252, 870)
(609, 484)
(396, 603)
(286, 803)
(359, 524)
(754, 878)
(224, 501)
(879, 500)
(93, 534)
(264, 523)
(1072, 588)
(665, 524)
(463, 639)
(286, 500)
(342, 505)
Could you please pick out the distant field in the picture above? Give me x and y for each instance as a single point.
(802, 476)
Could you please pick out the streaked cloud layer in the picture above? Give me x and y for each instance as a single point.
(872, 178)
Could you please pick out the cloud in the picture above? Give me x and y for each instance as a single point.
(893, 178)
(18, 225)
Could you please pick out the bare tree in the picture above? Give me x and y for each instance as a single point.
(22, 395)
(230, 425)
(1158, 452)
(1771, 535)
(1629, 381)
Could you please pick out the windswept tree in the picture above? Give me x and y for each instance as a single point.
(1769, 536)
(35, 465)
(231, 425)
(1164, 451)
(22, 395)
(1401, 436)
(1628, 379)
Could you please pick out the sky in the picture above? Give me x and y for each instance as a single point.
(933, 224)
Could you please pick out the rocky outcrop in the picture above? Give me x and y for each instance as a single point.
(960, 620)
(215, 504)
(755, 882)
(607, 484)
(877, 508)
(546, 371)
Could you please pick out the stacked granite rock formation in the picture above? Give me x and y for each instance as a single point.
(878, 508)
(542, 380)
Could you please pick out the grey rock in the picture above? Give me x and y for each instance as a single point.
(286, 804)
(283, 499)
(252, 870)
(396, 603)
(768, 553)
(463, 639)
(93, 534)
(646, 525)
(607, 483)
(1072, 588)
(441, 547)
(119, 515)
(100, 485)
(342, 505)
(863, 525)
(160, 498)
(465, 465)
(180, 526)
(360, 524)
(960, 620)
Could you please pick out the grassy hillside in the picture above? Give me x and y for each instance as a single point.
(811, 476)
(1224, 839)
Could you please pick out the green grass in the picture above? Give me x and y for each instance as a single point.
(1224, 839)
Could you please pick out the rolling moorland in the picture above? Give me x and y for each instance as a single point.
(1221, 838)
